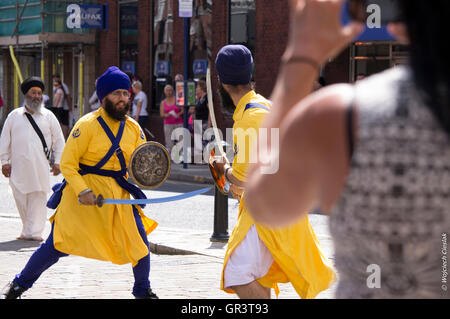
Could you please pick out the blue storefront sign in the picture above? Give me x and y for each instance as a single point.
(129, 67)
(199, 67)
(87, 16)
(374, 31)
(162, 68)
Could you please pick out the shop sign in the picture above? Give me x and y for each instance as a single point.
(87, 16)
(162, 68)
(129, 66)
(375, 30)
(200, 66)
(186, 8)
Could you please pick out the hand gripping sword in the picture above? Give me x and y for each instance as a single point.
(219, 179)
(100, 201)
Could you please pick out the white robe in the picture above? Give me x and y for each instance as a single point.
(21, 147)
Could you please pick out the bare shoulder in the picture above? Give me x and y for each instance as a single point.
(321, 109)
(328, 100)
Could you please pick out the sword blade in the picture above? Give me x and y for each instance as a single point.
(155, 200)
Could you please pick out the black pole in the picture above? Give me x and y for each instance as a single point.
(220, 233)
(186, 77)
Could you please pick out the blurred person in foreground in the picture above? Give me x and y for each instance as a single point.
(375, 156)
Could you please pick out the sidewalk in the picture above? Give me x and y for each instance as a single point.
(192, 174)
(185, 264)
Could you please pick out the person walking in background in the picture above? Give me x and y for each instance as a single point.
(179, 77)
(199, 120)
(1, 100)
(66, 107)
(172, 115)
(139, 108)
(24, 161)
(374, 155)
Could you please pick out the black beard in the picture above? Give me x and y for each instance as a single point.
(119, 115)
(225, 99)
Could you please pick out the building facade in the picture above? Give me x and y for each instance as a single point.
(146, 38)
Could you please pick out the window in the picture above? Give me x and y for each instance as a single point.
(242, 23)
(128, 36)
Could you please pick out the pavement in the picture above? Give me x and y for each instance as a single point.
(192, 174)
(184, 263)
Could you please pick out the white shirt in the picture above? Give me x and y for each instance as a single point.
(62, 98)
(94, 102)
(21, 147)
(140, 97)
(66, 93)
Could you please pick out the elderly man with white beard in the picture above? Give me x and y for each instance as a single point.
(24, 160)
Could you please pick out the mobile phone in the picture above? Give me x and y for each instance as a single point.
(386, 10)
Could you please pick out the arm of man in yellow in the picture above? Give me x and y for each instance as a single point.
(140, 136)
(75, 148)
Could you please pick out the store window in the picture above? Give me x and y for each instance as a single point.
(129, 15)
(242, 23)
(368, 58)
(200, 38)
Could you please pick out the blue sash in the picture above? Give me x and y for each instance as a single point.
(256, 105)
(119, 176)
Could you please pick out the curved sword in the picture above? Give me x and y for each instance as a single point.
(212, 115)
(100, 201)
(211, 110)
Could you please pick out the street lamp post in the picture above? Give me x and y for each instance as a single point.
(186, 77)
(220, 233)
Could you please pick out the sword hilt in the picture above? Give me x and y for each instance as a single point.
(100, 200)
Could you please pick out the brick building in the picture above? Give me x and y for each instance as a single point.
(146, 38)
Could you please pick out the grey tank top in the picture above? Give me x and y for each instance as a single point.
(392, 222)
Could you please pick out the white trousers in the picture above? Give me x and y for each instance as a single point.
(249, 261)
(32, 209)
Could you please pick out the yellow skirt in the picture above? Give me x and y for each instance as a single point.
(108, 233)
(298, 256)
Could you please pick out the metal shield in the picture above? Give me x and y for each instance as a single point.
(149, 165)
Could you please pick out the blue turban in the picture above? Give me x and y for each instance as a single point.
(234, 65)
(113, 79)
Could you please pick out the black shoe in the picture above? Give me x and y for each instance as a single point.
(13, 291)
(149, 295)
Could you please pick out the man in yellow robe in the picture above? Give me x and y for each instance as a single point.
(258, 257)
(94, 161)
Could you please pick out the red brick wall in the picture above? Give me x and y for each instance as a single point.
(144, 63)
(219, 39)
(338, 71)
(178, 41)
(108, 49)
(272, 26)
